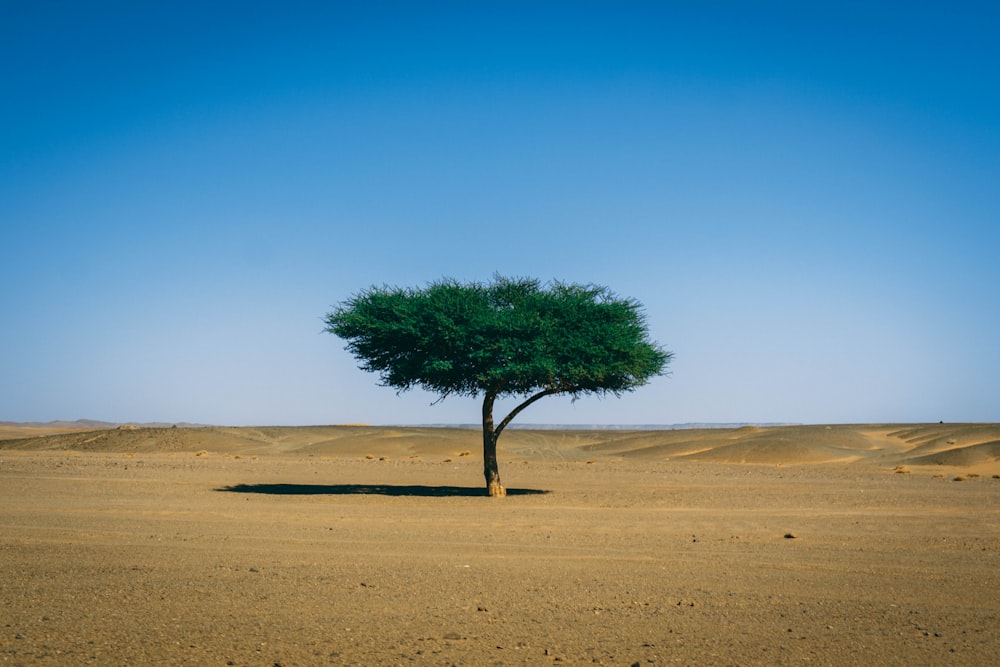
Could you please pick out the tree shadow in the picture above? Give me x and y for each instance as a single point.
(414, 490)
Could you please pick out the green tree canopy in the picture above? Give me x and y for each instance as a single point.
(511, 337)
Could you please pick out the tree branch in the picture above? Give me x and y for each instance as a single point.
(518, 409)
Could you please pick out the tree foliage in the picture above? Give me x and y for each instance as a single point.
(510, 337)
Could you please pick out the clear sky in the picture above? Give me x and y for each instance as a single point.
(805, 196)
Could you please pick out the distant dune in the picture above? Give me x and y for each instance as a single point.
(10, 430)
(881, 444)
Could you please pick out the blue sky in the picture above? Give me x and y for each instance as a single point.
(803, 195)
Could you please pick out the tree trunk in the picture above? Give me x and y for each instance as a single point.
(493, 486)
(490, 435)
(490, 468)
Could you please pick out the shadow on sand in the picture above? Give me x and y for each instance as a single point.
(417, 490)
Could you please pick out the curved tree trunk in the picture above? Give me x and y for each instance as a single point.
(490, 435)
(490, 468)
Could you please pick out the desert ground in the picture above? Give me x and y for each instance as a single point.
(354, 545)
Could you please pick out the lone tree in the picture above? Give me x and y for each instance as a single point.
(508, 338)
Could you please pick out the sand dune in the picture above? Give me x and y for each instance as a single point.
(971, 455)
(885, 445)
(11, 430)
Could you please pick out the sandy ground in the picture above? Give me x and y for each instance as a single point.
(360, 546)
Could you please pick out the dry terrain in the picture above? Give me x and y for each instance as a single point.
(353, 545)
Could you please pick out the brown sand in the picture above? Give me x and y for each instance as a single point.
(375, 546)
